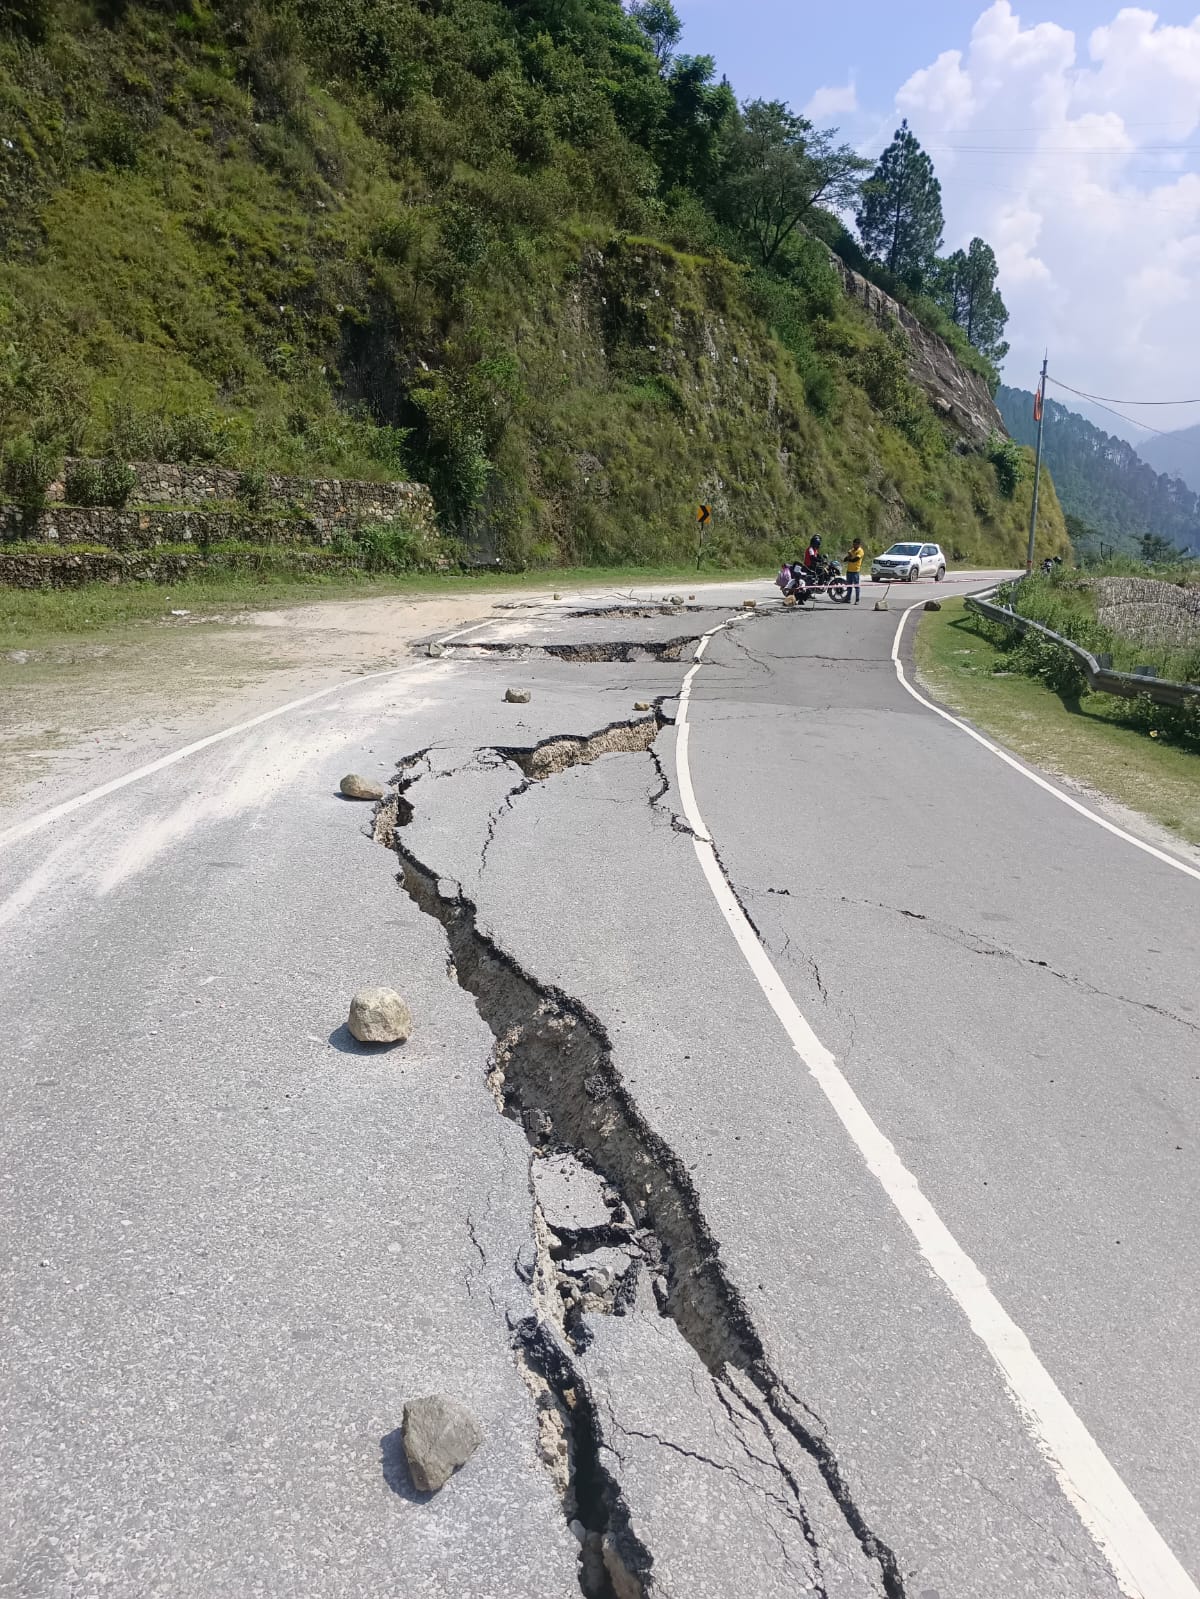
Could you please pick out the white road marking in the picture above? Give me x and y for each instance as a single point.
(1017, 766)
(1142, 1563)
(35, 824)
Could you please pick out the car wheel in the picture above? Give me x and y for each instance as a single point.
(874, 579)
(939, 574)
(914, 573)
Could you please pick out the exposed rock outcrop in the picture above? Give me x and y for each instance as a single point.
(962, 397)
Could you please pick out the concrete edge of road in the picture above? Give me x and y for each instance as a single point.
(902, 647)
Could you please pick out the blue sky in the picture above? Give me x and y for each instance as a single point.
(1065, 132)
(780, 49)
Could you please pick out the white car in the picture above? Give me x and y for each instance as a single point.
(905, 563)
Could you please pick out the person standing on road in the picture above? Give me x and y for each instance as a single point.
(853, 563)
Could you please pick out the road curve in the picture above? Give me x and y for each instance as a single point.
(235, 1244)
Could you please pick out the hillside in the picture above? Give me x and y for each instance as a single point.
(466, 243)
(1102, 480)
(1177, 454)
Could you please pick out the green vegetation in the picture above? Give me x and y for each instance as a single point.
(1118, 503)
(496, 246)
(1068, 604)
(900, 224)
(901, 220)
(1101, 741)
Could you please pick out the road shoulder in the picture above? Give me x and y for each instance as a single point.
(1150, 789)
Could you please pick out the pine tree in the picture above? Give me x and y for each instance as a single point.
(901, 222)
(965, 286)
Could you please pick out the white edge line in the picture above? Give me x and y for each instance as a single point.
(35, 824)
(1018, 766)
(1141, 1561)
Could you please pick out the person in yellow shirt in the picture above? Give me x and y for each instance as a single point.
(853, 564)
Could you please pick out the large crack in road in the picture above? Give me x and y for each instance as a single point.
(553, 1071)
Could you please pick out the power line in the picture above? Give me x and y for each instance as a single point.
(1113, 400)
(1067, 149)
(1145, 427)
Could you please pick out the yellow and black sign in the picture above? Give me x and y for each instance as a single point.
(703, 513)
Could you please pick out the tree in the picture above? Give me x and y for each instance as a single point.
(901, 222)
(965, 286)
(777, 166)
(697, 109)
(659, 21)
(1158, 551)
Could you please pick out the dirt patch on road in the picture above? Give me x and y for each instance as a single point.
(76, 713)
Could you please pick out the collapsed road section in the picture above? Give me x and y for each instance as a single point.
(686, 1463)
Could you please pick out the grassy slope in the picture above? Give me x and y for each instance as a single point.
(253, 264)
(959, 664)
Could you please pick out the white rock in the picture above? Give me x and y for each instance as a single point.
(360, 788)
(379, 1016)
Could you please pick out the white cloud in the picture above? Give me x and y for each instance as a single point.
(1075, 158)
(833, 100)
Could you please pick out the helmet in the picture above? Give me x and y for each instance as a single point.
(816, 541)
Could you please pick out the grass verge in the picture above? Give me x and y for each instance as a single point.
(1080, 741)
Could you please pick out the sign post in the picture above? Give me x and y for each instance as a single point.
(703, 516)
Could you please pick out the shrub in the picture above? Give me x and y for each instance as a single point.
(99, 483)
(135, 436)
(112, 141)
(28, 18)
(398, 546)
(27, 470)
(252, 489)
(1008, 458)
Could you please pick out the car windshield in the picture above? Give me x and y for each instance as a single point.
(904, 549)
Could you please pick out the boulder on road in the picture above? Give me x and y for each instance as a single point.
(517, 696)
(379, 1016)
(361, 788)
(933, 605)
(440, 1435)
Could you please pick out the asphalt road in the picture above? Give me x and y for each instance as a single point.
(854, 1076)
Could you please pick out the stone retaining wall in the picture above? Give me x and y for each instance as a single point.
(200, 483)
(66, 568)
(136, 529)
(1149, 612)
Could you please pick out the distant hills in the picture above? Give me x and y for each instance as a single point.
(1177, 453)
(1104, 483)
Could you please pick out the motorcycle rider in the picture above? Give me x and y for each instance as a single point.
(813, 553)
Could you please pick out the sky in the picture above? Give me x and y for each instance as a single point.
(1064, 132)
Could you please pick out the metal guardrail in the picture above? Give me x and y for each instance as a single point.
(1102, 679)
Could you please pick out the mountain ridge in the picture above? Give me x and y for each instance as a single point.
(1102, 480)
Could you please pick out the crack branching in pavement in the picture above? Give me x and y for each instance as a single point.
(977, 944)
(553, 1073)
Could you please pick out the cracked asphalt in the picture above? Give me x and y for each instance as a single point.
(234, 1242)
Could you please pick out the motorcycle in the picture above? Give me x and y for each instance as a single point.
(805, 583)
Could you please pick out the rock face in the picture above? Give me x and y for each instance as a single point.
(379, 1016)
(362, 788)
(440, 1435)
(963, 398)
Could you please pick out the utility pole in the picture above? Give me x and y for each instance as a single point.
(1040, 412)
